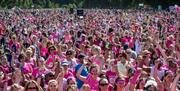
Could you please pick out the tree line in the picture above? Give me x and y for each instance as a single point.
(7, 4)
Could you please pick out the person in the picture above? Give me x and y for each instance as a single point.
(97, 58)
(72, 88)
(67, 72)
(85, 87)
(92, 79)
(56, 84)
(71, 81)
(16, 87)
(52, 85)
(167, 80)
(84, 71)
(32, 45)
(140, 84)
(103, 84)
(71, 59)
(120, 84)
(32, 86)
(112, 74)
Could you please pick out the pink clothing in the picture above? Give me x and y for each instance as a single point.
(51, 59)
(124, 40)
(68, 74)
(168, 43)
(96, 60)
(67, 38)
(44, 51)
(111, 76)
(111, 39)
(136, 76)
(27, 68)
(93, 83)
(37, 72)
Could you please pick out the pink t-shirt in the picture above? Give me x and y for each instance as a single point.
(168, 43)
(67, 38)
(51, 59)
(68, 74)
(36, 72)
(27, 68)
(93, 83)
(96, 60)
(44, 51)
(124, 40)
(111, 76)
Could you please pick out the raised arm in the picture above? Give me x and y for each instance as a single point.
(134, 79)
(162, 51)
(175, 82)
(102, 63)
(155, 75)
(59, 79)
(78, 74)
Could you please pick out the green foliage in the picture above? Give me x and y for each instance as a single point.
(5, 4)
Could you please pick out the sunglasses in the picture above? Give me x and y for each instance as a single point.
(120, 82)
(52, 85)
(32, 88)
(103, 84)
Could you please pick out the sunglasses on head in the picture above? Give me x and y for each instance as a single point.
(32, 88)
(120, 82)
(103, 84)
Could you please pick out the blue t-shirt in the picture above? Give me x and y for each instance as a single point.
(83, 73)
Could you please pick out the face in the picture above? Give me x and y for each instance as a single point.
(68, 56)
(139, 60)
(94, 71)
(28, 54)
(52, 50)
(41, 63)
(142, 83)
(120, 83)
(72, 82)
(32, 87)
(65, 67)
(169, 77)
(52, 86)
(86, 88)
(104, 85)
(114, 66)
(152, 88)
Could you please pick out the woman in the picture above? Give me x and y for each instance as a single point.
(85, 87)
(103, 84)
(52, 56)
(112, 74)
(52, 85)
(97, 57)
(40, 71)
(140, 84)
(16, 87)
(17, 77)
(92, 79)
(72, 88)
(71, 81)
(120, 84)
(167, 79)
(56, 84)
(32, 86)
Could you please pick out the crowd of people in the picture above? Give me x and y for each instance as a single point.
(104, 50)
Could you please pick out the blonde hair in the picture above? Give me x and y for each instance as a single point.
(52, 81)
(72, 88)
(96, 48)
